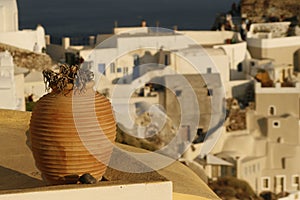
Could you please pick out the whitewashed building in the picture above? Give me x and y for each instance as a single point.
(33, 40)
(266, 154)
(11, 84)
(190, 52)
(270, 40)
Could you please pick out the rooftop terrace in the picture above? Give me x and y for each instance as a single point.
(21, 179)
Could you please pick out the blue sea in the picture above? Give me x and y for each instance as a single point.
(77, 18)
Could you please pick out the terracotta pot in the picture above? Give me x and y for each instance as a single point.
(72, 134)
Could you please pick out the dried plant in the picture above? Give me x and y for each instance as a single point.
(67, 75)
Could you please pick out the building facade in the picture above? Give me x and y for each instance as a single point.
(11, 84)
(270, 40)
(267, 153)
(10, 33)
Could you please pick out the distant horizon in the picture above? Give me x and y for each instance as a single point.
(68, 18)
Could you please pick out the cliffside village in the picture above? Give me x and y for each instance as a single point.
(246, 88)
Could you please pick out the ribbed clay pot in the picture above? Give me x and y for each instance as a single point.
(72, 134)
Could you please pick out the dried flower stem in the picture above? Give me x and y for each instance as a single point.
(73, 75)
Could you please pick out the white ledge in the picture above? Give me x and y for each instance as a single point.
(147, 191)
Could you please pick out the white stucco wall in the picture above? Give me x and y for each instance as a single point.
(168, 42)
(8, 16)
(250, 169)
(34, 85)
(209, 37)
(118, 46)
(200, 37)
(121, 45)
(20, 98)
(131, 30)
(274, 42)
(201, 61)
(9, 29)
(11, 86)
(7, 84)
(277, 89)
(85, 53)
(37, 89)
(102, 56)
(25, 39)
(237, 53)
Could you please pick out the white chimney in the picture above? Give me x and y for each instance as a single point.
(65, 42)
(92, 40)
(47, 39)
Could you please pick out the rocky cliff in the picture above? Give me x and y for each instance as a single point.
(28, 59)
(270, 10)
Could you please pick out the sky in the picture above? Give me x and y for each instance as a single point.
(83, 17)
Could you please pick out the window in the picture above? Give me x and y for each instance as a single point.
(265, 183)
(201, 135)
(136, 60)
(125, 70)
(280, 140)
(112, 68)
(119, 69)
(210, 92)
(215, 171)
(280, 183)
(276, 124)
(240, 67)
(101, 68)
(178, 92)
(295, 180)
(208, 70)
(272, 110)
(167, 60)
(88, 64)
(283, 163)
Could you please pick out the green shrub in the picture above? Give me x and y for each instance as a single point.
(232, 187)
(30, 105)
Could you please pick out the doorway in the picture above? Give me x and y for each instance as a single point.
(279, 184)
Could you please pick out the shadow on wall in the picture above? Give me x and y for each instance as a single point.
(11, 179)
(244, 92)
(262, 123)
